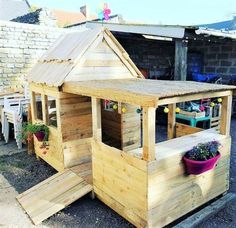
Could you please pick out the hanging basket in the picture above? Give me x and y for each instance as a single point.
(198, 167)
(40, 135)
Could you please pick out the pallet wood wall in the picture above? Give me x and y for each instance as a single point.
(52, 154)
(101, 63)
(123, 130)
(70, 142)
(130, 128)
(76, 129)
(120, 181)
(169, 188)
(76, 117)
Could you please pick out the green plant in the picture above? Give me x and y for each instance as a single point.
(203, 151)
(29, 129)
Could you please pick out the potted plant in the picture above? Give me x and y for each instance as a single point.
(40, 131)
(202, 157)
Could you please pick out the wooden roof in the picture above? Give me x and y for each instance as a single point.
(145, 92)
(70, 51)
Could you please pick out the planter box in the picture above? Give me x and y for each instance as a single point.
(198, 167)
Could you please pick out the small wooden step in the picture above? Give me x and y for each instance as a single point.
(53, 194)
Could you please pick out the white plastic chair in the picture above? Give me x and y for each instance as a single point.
(12, 113)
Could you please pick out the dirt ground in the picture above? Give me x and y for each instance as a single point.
(19, 172)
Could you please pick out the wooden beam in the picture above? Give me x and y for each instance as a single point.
(30, 143)
(45, 108)
(149, 132)
(171, 121)
(96, 114)
(181, 49)
(226, 115)
(192, 97)
(33, 106)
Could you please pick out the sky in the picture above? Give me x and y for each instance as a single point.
(182, 12)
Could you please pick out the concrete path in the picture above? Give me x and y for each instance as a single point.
(10, 211)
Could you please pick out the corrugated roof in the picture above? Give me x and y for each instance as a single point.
(59, 60)
(10, 9)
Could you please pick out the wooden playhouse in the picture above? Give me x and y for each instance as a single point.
(96, 149)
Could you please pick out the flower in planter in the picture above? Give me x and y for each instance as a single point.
(202, 157)
(203, 151)
(41, 131)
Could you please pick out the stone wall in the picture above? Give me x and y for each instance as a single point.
(152, 55)
(21, 45)
(218, 58)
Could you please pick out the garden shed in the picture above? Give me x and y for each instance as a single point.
(86, 87)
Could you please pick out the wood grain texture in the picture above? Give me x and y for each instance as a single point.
(183, 129)
(147, 93)
(53, 195)
(120, 182)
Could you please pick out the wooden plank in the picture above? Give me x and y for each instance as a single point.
(181, 50)
(52, 195)
(171, 121)
(149, 132)
(96, 113)
(226, 115)
(101, 62)
(33, 105)
(30, 143)
(45, 108)
(183, 129)
(192, 97)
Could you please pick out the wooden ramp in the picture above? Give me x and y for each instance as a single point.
(52, 195)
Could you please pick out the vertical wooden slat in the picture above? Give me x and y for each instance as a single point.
(171, 121)
(226, 115)
(33, 105)
(96, 113)
(58, 110)
(45, 108)
(30, 143)
(149, 123)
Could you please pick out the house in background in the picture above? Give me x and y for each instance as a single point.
(10, 9)
(222, 25)
(59, 18)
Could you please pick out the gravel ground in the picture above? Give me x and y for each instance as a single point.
(23, 171)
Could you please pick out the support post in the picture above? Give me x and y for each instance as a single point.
(181, 49)
(149, 123)
(45, 108)
(171, 121)
(30, 143)
(226, 115)
(33, 105)
(96, 115)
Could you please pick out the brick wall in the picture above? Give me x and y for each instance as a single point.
(20, 47)
(152, 55)
(218, 58)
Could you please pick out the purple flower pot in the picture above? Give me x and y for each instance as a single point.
(198, 167)
(40, 135)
